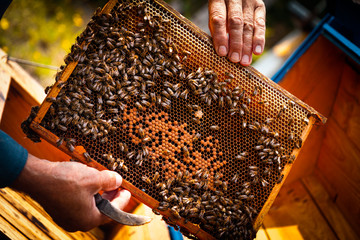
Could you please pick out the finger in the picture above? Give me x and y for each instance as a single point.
(259, 31)
(121, 199)
(217, 25)
(110, 180)
(248, 31)
(235, 27)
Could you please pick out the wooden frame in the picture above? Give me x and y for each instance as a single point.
(315, 117)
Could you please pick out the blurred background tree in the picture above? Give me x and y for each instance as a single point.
(43, 31)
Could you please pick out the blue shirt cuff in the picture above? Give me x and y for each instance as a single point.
(12, 159)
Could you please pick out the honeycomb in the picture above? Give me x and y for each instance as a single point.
(150, 99)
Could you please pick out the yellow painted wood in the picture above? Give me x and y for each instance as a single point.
(10, 231)
(22, 223)
(261, 234)
(4, 88)
(22, 80)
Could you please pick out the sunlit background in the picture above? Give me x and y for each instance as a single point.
(43, 31)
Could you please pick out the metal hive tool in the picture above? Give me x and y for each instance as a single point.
(202, 141)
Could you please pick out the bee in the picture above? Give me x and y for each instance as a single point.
(291, 121)
(264, 183)
(291, 136)
(214, 127)
(156, 176)
(298, 143)
(306, 121)
(291, 103)
(252, 127)
(264, 102)
(185, 151)
(141, 133)
(123, 147)
(59, 142)
(230, 75)
(62, 127)
(113, 110)
(130, 155)
(146, 179)
(87, 156)
(161, 186)
(70, 147)
(280, 113)
(166, 152)
(292, 158)
(51, 99)
(280, 179)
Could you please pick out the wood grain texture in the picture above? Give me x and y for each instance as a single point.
(329, 209)
(314, 79)
(295, 216)
(339, 166)
(4, 88)
(22, 80)
(346, 110)
(9, 230)
(17, 109)
(48, 227)
(23, 224)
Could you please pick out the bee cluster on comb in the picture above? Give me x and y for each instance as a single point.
(150, 99)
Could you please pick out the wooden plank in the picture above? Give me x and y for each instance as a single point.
(339, 166)
(329, 209)
(10, 231)
(295, 216)
(314, 79)
(34, 208)
(156, 229)
(346, 111)
(4, 88)
(11, 124)
(16, 218)
(261, 234)
(346, 200)
(22, 80)
(47, 226)
(339, 152)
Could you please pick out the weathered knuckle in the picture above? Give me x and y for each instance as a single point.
(217, 20)
(248, 26)
(236, 21)
(260, 4)
(259, 39)
(260, 22)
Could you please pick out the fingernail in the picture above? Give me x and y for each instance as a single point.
(235, 57)
(118, 180)
(222, 51)
(245, 59)
(258, 49)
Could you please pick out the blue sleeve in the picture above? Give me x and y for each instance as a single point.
(12, 159)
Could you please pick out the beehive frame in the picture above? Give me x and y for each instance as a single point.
(200, 45)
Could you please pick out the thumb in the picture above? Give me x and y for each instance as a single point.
(110, 180)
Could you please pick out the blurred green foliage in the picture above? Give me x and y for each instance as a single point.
(43, 31)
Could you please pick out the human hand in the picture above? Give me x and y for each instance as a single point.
(237, 28)
(66, 191)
